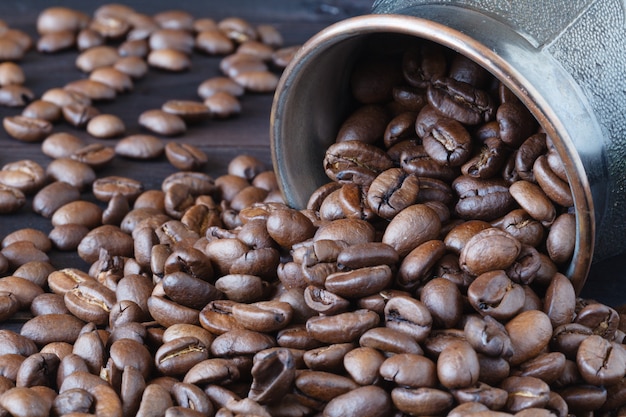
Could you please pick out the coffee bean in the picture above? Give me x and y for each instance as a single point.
(26, 129)
(169, 59)
(457, 365)
(425, 401)
(88, 38)
(95, 90)
(96, 57)
(56, 41)
(214, 85)
(222, 105)
(368, 401)
(11, 73)
(15, 95)
(163, 123)
(11, 199)
(411, 227)
(133, 66)
(140, 147)
(10, 50)
(190, 111)
(40, 109)
(185, 157)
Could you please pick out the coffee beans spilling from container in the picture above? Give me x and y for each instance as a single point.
(426, 278)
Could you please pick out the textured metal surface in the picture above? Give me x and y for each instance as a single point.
(588, 39)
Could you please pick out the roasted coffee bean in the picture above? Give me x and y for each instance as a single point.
(400, 128)
(600, 361)
(370, 401)
(519, 224)
(10, 50)
(561, 238)
(423, 400)
(531, 149)
(460, 100)
(448, 143)
(241, 342)
(15, 95)
(533, 199)
(601, 319)
(408, 315)
(411, 370)
(40, 109)
(133, 66)
(392, 191)
(359, 282)
(27, 129)
(222, 105)
(443, 300)
(169, 59)
(548, 367)
(389, 340)
(9, 304)
(61, 145)
(18, 399)
(355, 161)
(265, 316)
(493, 293)
(525, 392)
(108, 237)
(332, 329)
(457, 365)
(105, 126)
(488, 336)
(25, 175)
(419, 263)
(105, 188)
(584, 398)
(273, 375)
(88, 38)
(11, 73)
(412, 157)
(79, 114)
(94, 90)
(528, 339)
(257, 81)
(560, 300)
(214, 42)
(502, 248)
(166, 312)
(56, 41)
(19, 253)
(189, 291)
(163, 123)
(488, 162)
(140, 147)
(95, 155)
(184, 156)
(11, 199)
(75, 173)
(214, 85)
(179, 356)
(482, 199)
(80, 212)
(367, 124)
(411, 227)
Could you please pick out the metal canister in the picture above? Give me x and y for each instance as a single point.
(565, 60)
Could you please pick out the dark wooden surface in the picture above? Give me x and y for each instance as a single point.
(222, 140)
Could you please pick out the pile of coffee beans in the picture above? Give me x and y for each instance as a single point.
(423, 280)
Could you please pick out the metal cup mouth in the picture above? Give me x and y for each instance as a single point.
(311, 100)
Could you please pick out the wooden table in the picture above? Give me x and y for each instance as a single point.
(221, 140)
